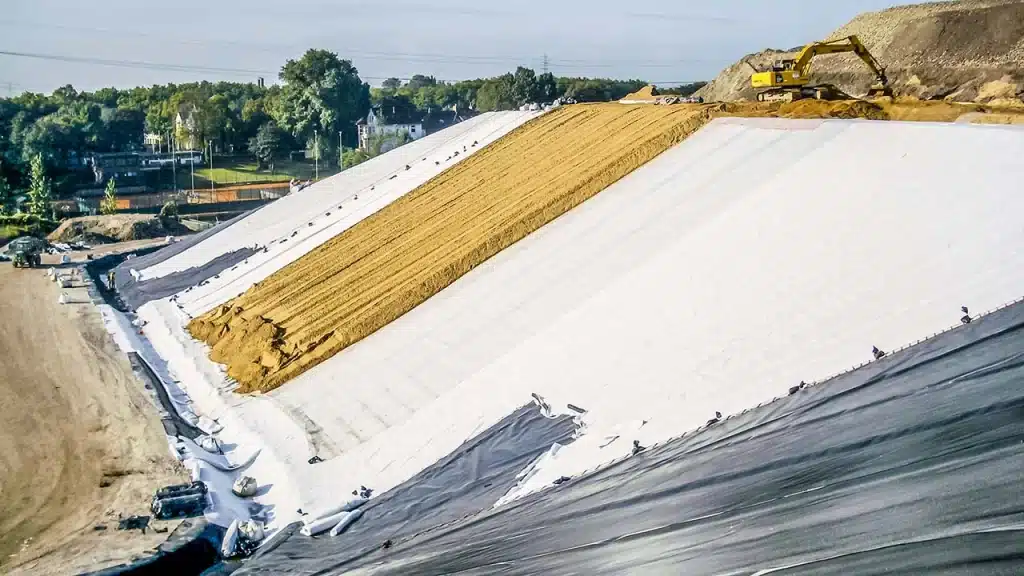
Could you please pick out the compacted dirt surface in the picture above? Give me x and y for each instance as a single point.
(81, 441)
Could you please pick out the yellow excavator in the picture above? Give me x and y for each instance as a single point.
(789, 80)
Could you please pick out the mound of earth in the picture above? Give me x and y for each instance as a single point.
(116, 228)
(965, 51)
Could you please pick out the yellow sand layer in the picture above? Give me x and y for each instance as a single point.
(394, 260)
(387, 264)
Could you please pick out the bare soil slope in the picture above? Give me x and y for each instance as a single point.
(967, 51)
(116, 228)
(80, 441)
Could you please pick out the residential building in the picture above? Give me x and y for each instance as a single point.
(435, 121)
(154, 142)
(392, 125)
(186, 127)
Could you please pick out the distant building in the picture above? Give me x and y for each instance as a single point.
(435, 121)
(393, 125)
(186, 127)
(154, 142)
(119, 165)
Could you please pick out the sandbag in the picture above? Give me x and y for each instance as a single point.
(345, 522)
(244, 487)
(179, 506)
(182, 490)
(251, 530)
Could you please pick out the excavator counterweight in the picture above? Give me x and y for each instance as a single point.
(790, 79)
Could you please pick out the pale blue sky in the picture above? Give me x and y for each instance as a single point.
(663, 41)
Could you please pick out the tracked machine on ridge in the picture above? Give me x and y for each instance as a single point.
(790, 80)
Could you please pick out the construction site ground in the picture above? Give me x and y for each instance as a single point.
(81, 442)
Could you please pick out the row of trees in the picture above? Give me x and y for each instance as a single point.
(317, 104)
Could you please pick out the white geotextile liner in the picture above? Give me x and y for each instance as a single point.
(748, 258)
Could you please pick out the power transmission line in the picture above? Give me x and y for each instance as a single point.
(199, 69)
(134, 64)
(418, 57)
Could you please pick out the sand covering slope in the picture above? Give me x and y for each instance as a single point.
(967, 51)
(389, 263)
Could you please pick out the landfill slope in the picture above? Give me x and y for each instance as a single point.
(967, 51)
(387, 264)
(910, 465)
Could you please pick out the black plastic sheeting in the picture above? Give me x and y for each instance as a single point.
(910, 465)
(465, 482)
(190, 549)
(135, 294)
(174, 424)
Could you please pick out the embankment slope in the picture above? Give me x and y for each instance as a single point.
(387, 264)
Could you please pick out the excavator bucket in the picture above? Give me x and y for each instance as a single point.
(880, 91)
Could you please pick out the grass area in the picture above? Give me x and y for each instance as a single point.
(232, 171)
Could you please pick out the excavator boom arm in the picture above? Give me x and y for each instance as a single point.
(848, 44)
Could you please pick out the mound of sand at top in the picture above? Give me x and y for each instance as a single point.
(648, 93)
(967, 51)
(116, 228)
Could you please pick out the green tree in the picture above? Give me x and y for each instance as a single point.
(524, 86)
(266, 145)
(169, 211)
(391, 84)
(496, 94)
(353, 158)
(322, 95)
(6, 193)
(39, 189)
(108, 205)
(547, 88)
(419, 81)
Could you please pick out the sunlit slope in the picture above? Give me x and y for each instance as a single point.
(387, 264)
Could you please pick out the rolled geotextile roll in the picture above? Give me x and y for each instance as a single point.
(345, 522)
(346, 506)
(317, 526)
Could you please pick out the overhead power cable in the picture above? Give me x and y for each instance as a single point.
(362, 55)
(137, 64)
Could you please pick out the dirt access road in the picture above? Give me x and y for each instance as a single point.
(81, 441)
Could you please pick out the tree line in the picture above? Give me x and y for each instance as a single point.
(317, 104)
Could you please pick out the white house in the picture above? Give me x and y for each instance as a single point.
(186, 127)
(394, 125)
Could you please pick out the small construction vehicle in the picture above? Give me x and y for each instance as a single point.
(789, 79)
(26, 252)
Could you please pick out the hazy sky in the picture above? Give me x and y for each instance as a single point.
(664, 41)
